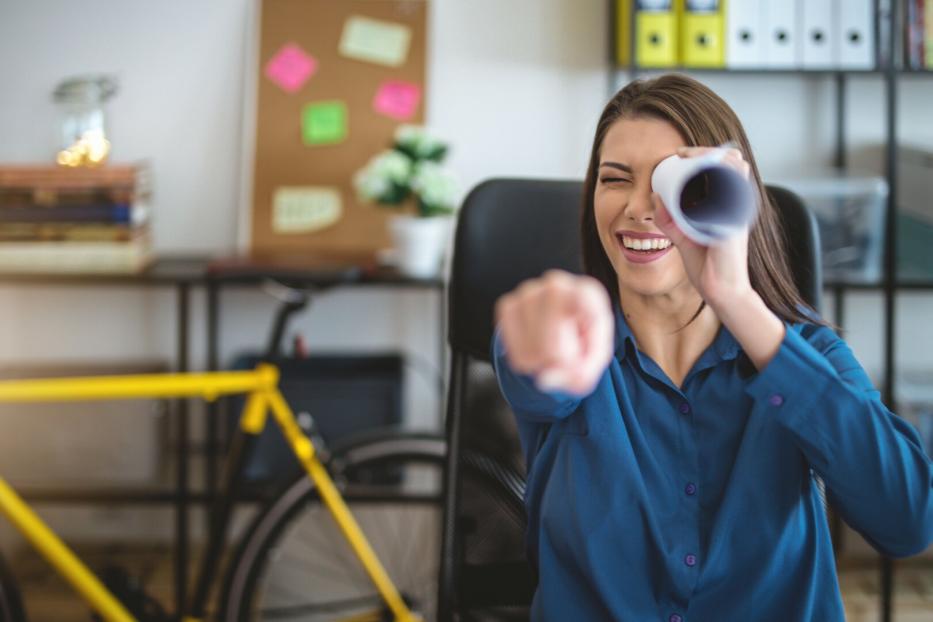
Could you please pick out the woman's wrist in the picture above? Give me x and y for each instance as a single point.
(757, 329)
(726, 300)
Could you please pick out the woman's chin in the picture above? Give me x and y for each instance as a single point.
(648, 284)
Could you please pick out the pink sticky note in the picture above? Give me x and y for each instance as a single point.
(397, 99)
(291, 67)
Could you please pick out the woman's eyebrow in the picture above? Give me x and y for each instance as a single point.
(622, 167)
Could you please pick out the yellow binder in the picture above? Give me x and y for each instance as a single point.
(656, 33)
(623, 25)
(928, 36)
(704, 33)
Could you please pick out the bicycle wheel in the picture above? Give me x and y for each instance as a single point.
(11, 604)
(294, 564)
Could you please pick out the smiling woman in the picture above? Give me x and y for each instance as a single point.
(639, 127)
(690, 492)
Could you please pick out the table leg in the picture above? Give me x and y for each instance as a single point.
(181, 487)
(213, 408)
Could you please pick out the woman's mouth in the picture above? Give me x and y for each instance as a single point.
(643, 247)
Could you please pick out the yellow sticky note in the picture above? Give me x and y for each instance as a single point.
(375, 41)
(304, 209)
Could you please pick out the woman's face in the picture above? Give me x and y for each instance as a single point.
(644, 260)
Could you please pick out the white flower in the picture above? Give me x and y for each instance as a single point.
(392, 165)
(436, 186)
(415, 139)
(376, 179)
(370, 187)
(409, 134)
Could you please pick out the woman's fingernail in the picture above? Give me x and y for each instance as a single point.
(550, 380)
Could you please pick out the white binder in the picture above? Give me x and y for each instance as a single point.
(816, 31)
(744, 44)
(855, 34)
(780, 34)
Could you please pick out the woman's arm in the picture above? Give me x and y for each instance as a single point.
(757, 329)
(872, 461)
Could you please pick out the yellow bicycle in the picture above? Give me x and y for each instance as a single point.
(305, 557)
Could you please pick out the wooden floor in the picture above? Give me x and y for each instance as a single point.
(913, 598)
(48, 599)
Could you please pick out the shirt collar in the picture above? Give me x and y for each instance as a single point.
(624, 334)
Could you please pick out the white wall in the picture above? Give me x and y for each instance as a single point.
(515, 85)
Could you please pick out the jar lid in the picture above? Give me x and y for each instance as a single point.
(85, 89)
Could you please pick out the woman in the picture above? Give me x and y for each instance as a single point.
(676, 404)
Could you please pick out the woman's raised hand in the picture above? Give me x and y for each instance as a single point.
(718, 272)
(558, 328)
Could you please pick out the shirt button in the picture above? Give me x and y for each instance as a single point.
(690, 560)
(675, 618)
(691, 489)
(685, 408)
(776, 400)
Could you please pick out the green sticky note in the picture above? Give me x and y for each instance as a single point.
(324, 123)
(305, 209)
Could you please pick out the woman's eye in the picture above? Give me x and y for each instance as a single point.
(613, 180)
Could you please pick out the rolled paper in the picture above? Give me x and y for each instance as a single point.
(708, 200)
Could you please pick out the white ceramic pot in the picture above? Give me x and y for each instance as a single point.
(419, 244)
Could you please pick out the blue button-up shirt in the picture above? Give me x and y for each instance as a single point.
(649, 501)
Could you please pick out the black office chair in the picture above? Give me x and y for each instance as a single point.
(510, 230)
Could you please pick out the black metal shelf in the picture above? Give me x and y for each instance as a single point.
(902, 285)
(767, 71)
(887, 22)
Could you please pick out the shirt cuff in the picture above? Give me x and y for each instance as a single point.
(522, 392)
(792, 382)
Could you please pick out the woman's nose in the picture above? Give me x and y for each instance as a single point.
(639, 207)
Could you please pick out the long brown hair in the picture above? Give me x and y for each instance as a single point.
(703, 119)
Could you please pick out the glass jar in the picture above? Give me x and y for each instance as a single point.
(83, 119)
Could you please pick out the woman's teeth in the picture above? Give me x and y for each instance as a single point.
(646, 244)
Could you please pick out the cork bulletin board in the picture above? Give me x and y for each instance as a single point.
(333, 80)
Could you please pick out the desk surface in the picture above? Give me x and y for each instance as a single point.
(205, 270)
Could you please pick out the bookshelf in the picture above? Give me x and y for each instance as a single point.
(889, 30)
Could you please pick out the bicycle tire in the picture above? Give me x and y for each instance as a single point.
(11, 603)
(260, 582)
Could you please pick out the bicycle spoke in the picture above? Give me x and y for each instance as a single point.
(314, 575)
(291, 611)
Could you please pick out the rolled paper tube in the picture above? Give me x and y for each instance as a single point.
(708, 200)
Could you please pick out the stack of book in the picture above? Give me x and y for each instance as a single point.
(918, 35)
(75, 220)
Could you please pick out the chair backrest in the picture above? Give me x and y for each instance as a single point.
(803, 244)
(510, 230)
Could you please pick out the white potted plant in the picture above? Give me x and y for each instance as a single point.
(410, 175)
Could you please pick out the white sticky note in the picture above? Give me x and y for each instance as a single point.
(375, 41)
(304, 209)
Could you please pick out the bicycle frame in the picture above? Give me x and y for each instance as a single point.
(261, 387)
